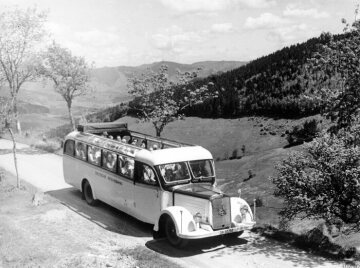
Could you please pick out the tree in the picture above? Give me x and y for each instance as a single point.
(161, 101)
(70, 74)
(323, 181)
(6, 119)
(21, 33)
(336, 69)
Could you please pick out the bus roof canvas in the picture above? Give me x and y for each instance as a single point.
(102, 127)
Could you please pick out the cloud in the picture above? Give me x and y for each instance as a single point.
(222, 27)
(265, 21)
(174, 39)
(293, 11)
(214, 5)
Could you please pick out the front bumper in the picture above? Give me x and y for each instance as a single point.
(208, 232)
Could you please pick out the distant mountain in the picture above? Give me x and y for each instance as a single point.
(110, 85)
(117, 76)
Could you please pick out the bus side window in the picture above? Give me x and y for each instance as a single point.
(126, 166)
(109, 160)
(145, 174)
(80, 150)
(94, 155)
(69, 147)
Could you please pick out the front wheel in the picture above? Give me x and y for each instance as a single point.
(88, 194)
(172, 237)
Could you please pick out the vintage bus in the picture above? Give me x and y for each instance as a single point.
(166, 183)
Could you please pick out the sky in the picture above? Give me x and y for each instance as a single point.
(134, 32)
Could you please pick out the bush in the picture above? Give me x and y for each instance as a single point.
(323, 181)
(305, 133)
(50, 146)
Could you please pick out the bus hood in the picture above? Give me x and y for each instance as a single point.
(204, 191)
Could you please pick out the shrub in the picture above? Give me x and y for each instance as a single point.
(304, 133)
(323, 181)
(50, 146)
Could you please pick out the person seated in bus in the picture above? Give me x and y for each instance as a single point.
(94, 155)
(104, 134)
(148, 175)
(118, 138)
(180, 172)
(134, 142)
(110, 137)
(143, 144)
(155, 147)
(110, 161)
(123, 140)
(128, 168)
(80, 151)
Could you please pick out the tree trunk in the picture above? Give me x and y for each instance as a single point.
(15, 158)
(158, 132)
(72, 122)
(16, 115)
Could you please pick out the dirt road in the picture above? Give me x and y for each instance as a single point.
(44, 171)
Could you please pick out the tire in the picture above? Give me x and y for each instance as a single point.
(88, 195)
(172, 237)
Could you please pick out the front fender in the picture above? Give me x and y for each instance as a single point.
(236, 215)
(182, 218)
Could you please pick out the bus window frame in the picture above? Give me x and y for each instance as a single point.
(65, 144)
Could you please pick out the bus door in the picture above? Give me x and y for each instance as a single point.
(146, 193)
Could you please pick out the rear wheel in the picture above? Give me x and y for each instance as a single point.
(172, 237)
(88, 195)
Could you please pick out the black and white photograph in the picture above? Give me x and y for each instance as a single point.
(179, 133)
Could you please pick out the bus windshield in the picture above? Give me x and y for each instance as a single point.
(175, 172)
(201, 169)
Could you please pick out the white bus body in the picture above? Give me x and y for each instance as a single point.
(172, 187)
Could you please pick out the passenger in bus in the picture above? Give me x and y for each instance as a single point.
(134, 142)
(110, 137)
(104, 134)
(110, 161)
(80, 151)
(123, 140)
(143, 144)
(118, 138)
(128, 169)
(148, 175)
(155, 147)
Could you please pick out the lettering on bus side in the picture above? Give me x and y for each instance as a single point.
(100, 174)
(114, 180)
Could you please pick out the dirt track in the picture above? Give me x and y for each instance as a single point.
(250, 250)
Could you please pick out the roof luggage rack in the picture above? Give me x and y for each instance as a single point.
(102, 127)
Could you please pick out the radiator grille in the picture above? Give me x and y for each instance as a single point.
(221, 213)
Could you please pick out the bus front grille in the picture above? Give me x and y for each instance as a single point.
(221, 213)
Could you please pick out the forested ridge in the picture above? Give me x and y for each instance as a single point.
(273, 85)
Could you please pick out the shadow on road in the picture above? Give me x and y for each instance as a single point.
(28, 151)
(249, 245)
(195, 247)
(103, 215)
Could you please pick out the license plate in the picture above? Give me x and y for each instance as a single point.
(229, 231)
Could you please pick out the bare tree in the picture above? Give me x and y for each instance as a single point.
(21, 32)
(70, 74)
(6, 118)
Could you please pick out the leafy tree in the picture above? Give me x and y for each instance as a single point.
(323, 181)
(161, 101)
(70, 74)
(21, 34)
(337, 70)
